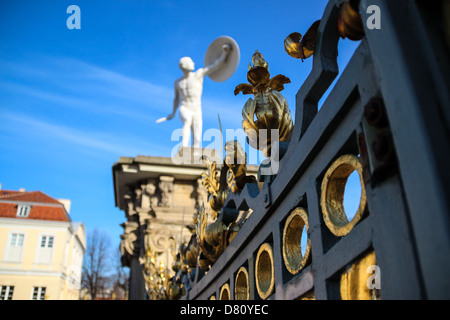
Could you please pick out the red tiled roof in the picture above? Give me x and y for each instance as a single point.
(38, 211)
(31, 196)
(7, 192)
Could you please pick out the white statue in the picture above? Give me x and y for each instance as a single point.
(188, 88)
(188, 94)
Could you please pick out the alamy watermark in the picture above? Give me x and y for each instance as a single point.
(374, 20)
(214, 148)
(74, 20)
(374, 280)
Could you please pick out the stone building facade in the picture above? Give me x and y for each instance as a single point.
(159, 199)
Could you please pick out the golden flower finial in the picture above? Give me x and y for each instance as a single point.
(258, 60)
(269, 107)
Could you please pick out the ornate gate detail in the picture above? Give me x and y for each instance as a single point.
(386, 120)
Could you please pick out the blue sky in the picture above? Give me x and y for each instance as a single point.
(73, 101)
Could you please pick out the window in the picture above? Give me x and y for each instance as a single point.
(23, 210)
(6, 292)
(44, 254)
(16, 240)
(50, 242)
(38, 293)
(13, 252)
(47, 242)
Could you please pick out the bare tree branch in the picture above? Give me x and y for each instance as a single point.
(96, 263)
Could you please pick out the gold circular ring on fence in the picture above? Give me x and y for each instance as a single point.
(224, 292)
(241, 287)
(264, 271)
(332, 195)
(296, 225)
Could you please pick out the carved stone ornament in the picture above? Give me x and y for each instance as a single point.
(129, 200)
(156, 239)
(129, 237)
(148, 198)
(166, 187)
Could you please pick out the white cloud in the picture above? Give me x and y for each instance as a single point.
(72, 83)
(97, 141)
(75, 84)
(49, 97)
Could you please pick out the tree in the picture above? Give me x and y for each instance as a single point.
(96, 263)
(121, 278)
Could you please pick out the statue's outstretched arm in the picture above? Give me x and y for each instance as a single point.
(207, 70)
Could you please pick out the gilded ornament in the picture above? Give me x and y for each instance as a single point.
(236, 160)
(241, 285)
(308, 296)
(210, 179)
(296, 224)
(332, 195)
(302, 47)
(269, 107)
(349, 22)
(233, 230)
(224, 292)
(212, 238)
(156, 277)
(217, 188)
(264, 271)
(190, 253)
(354, 280)
(176, 287)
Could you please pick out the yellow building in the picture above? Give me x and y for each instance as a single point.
(41, 249)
